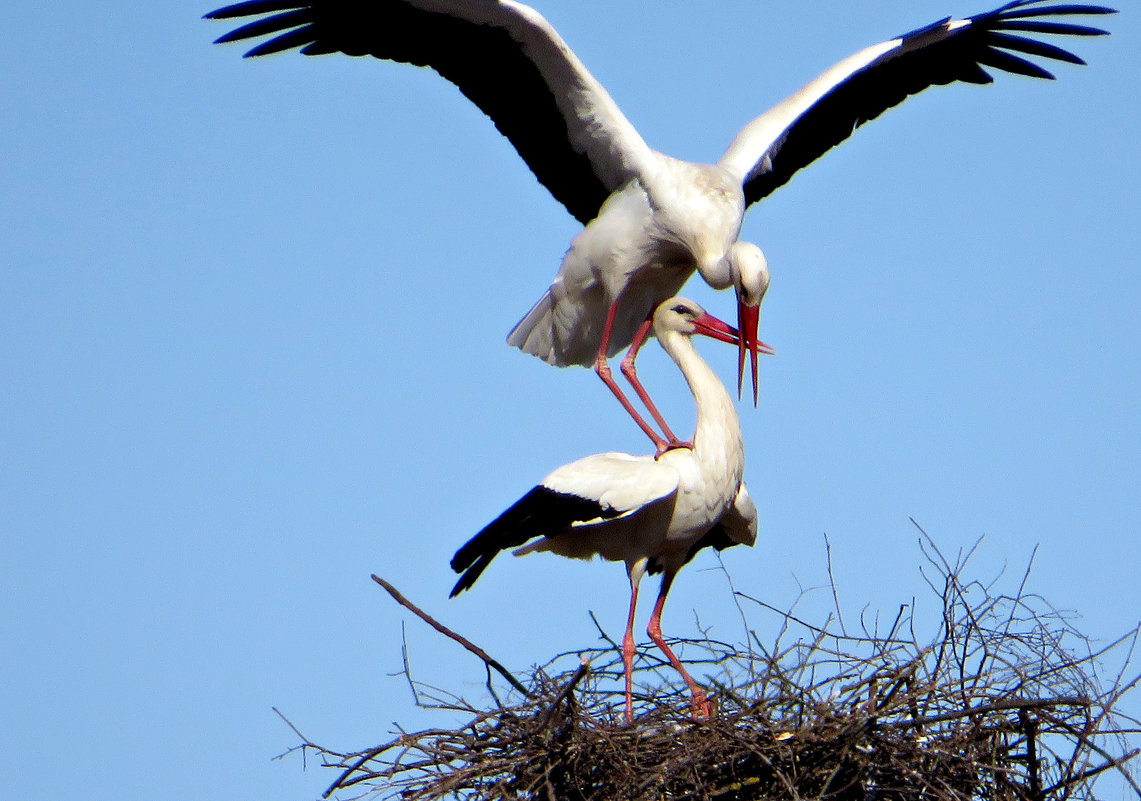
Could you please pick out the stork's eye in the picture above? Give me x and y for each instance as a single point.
(680, 309)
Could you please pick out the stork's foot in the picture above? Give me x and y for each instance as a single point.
(702, 704)
(672, 445)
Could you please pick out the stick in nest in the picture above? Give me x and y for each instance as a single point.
(440, 627)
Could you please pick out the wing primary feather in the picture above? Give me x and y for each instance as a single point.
(287, 41)
(542, 512)
(267, 25)
(504, 57)
(1032, 47)
(471, 574)
(318, 49)
(973, 73)
(1057, 11)
(250, 8)
(1010, 63)
(1058, 28)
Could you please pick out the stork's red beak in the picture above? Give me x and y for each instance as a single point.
(710, 326)
(748, 319)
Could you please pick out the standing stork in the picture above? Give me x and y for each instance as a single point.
(650, 220)
(652, 513)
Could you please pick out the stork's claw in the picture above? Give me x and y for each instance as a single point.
(703, 705)
(672, 445)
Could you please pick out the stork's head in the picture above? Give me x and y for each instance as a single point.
(750, 275)
(687, 318)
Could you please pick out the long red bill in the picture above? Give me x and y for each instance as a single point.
(710, 326)
(749, 319)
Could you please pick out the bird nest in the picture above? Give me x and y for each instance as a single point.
(1006, 703)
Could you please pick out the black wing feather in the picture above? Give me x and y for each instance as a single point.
(1033, 47)
(886, 83)
(542, 512)
(279, 44)
(251, 7)
(1059, 28)
(265, 26)
(485, 63)
(1009, 63)
(1052, 11)
(716, 538)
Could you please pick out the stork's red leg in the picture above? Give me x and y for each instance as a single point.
(628, 647)
(602, 367)
(631, 373)
(700, 702)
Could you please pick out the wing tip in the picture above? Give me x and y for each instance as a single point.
(250, 8)
(220, 13)
(470, 572)
(1030, 8)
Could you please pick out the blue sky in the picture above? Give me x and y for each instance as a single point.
(252, 334)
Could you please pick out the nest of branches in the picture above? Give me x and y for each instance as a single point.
(1005, 703)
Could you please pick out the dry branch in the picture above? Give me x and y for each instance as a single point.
(440, 627)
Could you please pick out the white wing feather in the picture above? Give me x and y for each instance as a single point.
(616, 480)
(756, 143)
(740, 521)
(595, 124)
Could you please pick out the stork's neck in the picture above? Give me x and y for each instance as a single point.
(718, 430)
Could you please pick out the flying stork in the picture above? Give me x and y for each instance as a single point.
(654, 514)
(650, 220)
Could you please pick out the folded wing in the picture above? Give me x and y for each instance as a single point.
(583, 494)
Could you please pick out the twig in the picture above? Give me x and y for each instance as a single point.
(1113, 762)
(1030, 728)
(289, 723)
(407, 666)
(997, 706)
(566, 692)
(475, 649)
(832, 584)
(601, 631)
(353, 768)
(306, 743)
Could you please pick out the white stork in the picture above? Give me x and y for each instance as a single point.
(652, 513)
(650, 220)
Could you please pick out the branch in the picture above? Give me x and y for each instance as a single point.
(997, 706)
(566, 694)
(475, 649)
(832, 584)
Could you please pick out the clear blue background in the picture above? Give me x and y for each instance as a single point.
(251, 329)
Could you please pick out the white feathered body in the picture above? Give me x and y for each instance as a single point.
(668, 503)
(645, 243)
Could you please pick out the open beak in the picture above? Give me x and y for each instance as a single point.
(710, 326)
(748, 320)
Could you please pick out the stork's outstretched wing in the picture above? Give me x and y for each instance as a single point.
(503, 55)
(802, 127)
